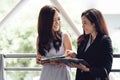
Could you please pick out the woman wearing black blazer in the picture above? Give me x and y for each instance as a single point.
(95, 47)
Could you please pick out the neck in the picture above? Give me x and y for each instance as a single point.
(93, 36)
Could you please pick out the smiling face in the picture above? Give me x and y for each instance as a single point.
(56, 22)
(87, 26)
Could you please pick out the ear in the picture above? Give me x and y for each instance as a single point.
(93, 24)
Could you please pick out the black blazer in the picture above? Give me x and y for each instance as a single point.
(99, 55)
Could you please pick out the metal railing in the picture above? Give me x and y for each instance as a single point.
(3, 68)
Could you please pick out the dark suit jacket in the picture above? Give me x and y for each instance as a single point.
(99, 55)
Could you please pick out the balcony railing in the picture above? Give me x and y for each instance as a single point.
(3, 68)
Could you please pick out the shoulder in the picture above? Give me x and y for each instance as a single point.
(65, 35)
(106, 41)
(106, 38)
(37, 39)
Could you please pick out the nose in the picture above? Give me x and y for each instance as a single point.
(83, 26)
(56, 21)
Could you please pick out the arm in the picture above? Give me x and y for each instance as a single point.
(38, 56)
(67, 42)
(68, 47)
(107, 53)
(107, 50)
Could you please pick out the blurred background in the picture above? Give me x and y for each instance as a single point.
(18, 32)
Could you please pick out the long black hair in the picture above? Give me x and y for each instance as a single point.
(96, 17)
(45, 33)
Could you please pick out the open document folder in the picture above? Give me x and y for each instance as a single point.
(53, 58)
(66, 61)
(73, 60)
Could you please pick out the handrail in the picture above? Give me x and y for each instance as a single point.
(3, 68)
(33, 56)
(22, 69)
(116, 55)
(20, 55)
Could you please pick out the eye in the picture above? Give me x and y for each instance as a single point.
(56, 19)
(59, 18)
(83, 23)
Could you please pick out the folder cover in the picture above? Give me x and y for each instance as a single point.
(73, 60)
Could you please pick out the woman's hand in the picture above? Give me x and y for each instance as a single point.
(38, 60)
(80, 66)
(52, 62)
(56, 62)
(70, 54)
